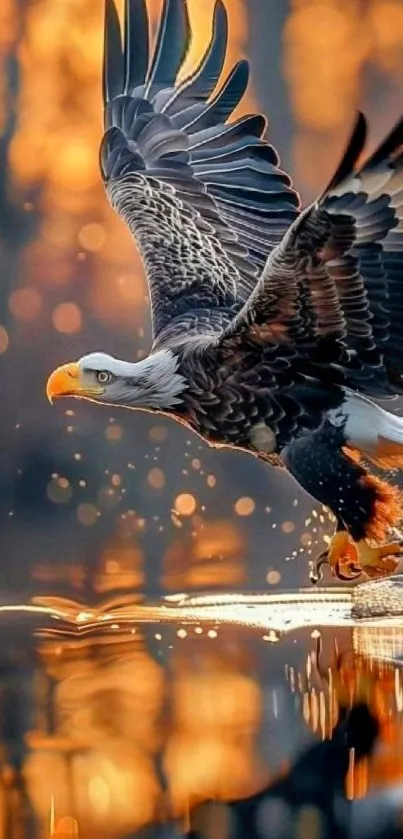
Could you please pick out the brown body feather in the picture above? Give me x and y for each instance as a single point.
(387, 509)
(388, 505)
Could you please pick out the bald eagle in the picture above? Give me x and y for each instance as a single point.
(276, 329)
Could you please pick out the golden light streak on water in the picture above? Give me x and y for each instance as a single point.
(52, 820)
(357, 778)
(362, 779)
(365, 673)
(350, 791)
(398, 690)
(323, 715)
(370, 606)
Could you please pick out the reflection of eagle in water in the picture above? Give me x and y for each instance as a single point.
(273, 326)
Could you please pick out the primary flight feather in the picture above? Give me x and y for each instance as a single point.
(274, 328)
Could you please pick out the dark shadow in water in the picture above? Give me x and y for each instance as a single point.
(310, 800)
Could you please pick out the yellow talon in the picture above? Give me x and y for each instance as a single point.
(340, 547)
(379, 561)
(342, 556)
(349, 559)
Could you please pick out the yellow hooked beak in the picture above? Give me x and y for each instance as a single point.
(69, 380)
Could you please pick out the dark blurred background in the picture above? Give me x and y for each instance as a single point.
(93, 502)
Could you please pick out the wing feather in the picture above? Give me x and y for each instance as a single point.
(113, 78)
(136, 45)
(173, 39)
(201, 83)
(174, 169)
(342, 311)
(201, 115)
(249, 128)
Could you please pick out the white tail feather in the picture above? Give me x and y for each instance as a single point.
(370, 429)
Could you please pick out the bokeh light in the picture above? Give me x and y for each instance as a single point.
(4, 339)
(185, 504)
(245, 506)
(25, 303)
(87, 514)
(67, 318)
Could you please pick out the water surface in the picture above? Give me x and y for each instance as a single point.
(124, 718)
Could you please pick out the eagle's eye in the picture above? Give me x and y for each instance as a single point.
(103, 377)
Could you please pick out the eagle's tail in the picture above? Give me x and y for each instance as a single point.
(372, 433)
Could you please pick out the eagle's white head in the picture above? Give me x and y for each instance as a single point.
(153, 383)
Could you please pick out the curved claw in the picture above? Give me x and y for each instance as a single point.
(352, 572)
(345, 571)
(348, 560)
(316, 572)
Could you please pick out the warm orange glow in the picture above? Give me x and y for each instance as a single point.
(120, 567)
(75, 167)
(8, 25)
(156, 478)
(118, 300)
(57, 140)
(288, 526)
(92, 236)
(314, 34)
(87, 514)
(245, 506)
(323, 72)
(65, 828)
(4, 339)
(59, 491)
(214, 712)
(114, 432)
(185, 504)
(158, 433)
(218, 538)
(201, 16)
(100, 795)
(354, 678)
(213, 556)
(273, 577)
(25, 303)
(386, 24)
(67, 318)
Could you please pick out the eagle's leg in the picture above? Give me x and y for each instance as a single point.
(341, 555)
(365, 507)
(348, 559)
(379, 560)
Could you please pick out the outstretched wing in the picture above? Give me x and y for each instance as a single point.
(205, 200)
(333, 289)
